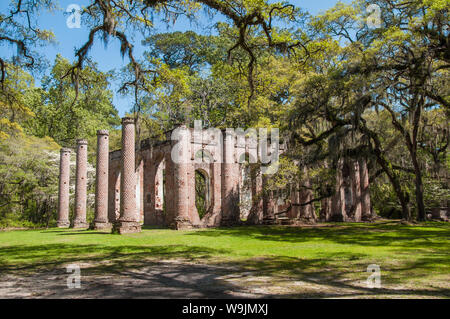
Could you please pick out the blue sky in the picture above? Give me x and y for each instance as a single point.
(109, 58)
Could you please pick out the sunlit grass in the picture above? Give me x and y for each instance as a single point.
(416, 256)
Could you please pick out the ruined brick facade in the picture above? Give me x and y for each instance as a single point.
(147, 186)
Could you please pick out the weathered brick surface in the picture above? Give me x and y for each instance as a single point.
(63, 191)
(182, 173)
(150, 186)
(351, 201)
(307, 213)
(356, 190)
(101, 181)
(230, 181)
(81, 185)
(366, 211)
(114, 187)
(338, 207)
(129, 217)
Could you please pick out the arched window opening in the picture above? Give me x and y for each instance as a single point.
(160, 187)
(245, 187)
(138, 191)
(202, 193)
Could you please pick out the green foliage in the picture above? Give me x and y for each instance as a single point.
(20, 30)
(65, 116)
(17, 93)
(201, 193)
(415, 258)
(333, 85)
(34, 122)
(28, 181)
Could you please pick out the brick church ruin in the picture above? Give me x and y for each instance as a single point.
(143, 184)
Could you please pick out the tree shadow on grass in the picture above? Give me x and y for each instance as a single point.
(331, 278)
(181, 271)
(363, 235)
(85, 233)
(115, 272)
(17, 258)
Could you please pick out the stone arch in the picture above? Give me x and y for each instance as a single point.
(154, 188)
(160, 186)
(116, 198)
(139, 189)
(203, 196)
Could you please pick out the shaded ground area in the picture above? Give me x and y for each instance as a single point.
(155, 280)
(328, 261)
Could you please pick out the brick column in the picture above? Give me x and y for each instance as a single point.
(230, 181)
(114, 187)
(338, 212)
(270, 206)
(325, 205)
(101, 181)
(366, 213)
(356, 189)
(325, 210)
(307, 213)
(81, 185)
(129, 219)
(63, 195)
(182, 174)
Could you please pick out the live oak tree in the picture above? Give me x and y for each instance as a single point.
(17, 94)
(331, 83)
(19, 30)
(394, 67)
(60, 116)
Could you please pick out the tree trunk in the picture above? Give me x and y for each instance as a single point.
(402, 195)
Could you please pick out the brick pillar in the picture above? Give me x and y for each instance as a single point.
(182, 173)
(256, 215)
(81, 185)
(366, 213)
(307, 213)
(325, 209)
(270, 206)
(129, 218)
(101, 181)
(114, 187)
(356, 189)
(63, 195)
(325, 205)
(338, 213)
(294, 212)
(230, 181)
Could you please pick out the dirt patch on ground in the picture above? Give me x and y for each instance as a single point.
(180, 279)
(166, 279)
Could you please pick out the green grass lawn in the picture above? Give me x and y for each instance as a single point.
(414, 260)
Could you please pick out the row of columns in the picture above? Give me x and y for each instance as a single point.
(128, 220)
(338, 208)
